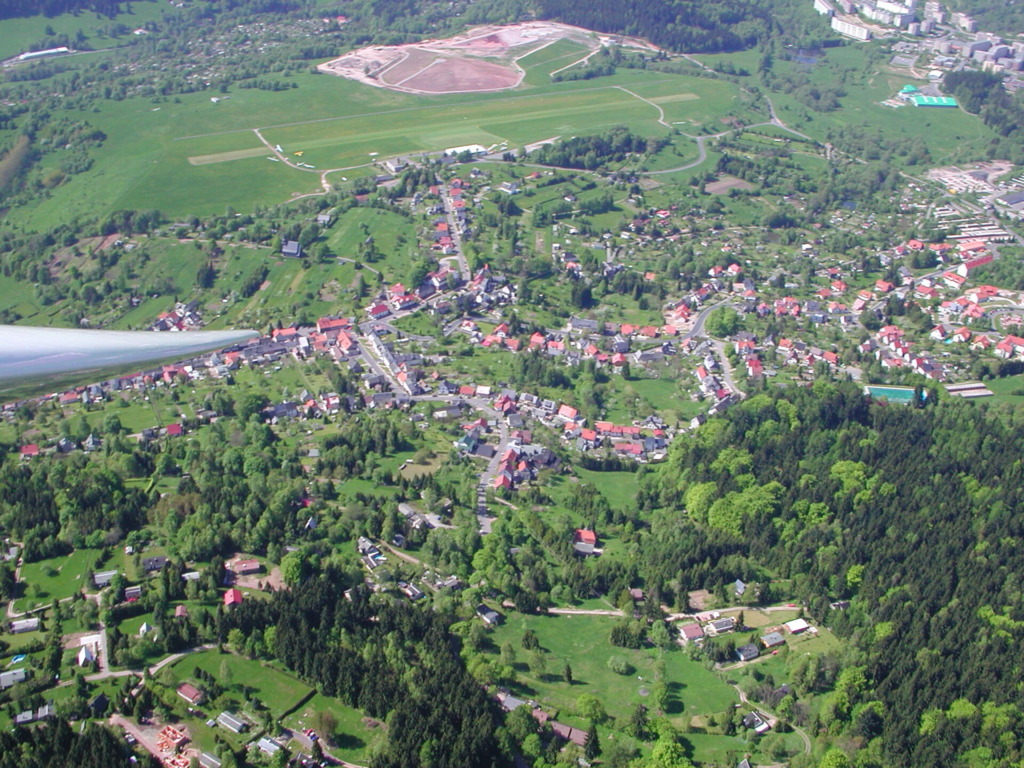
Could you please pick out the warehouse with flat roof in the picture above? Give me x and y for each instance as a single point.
(933, 101)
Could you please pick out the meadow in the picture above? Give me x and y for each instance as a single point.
(694, 691)
(56, 578)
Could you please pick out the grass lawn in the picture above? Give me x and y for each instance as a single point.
(354, 735)
(618, 487)
(1006, 390)
(279, 691)
(56, 578)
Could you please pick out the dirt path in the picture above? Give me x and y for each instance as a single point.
(661, 112)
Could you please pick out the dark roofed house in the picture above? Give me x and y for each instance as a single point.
(157, 563)
(772, 639)
(747, 652)
(103, 578)
(291, 249)
(490, 616)
(98, 706)
(233, 723)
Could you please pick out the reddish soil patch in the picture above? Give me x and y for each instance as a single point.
(455, 75)
(415, 60)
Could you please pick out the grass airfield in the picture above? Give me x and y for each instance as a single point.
(192, 155)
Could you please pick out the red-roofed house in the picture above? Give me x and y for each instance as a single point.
(568, 413)
(190, 693)
(232, 597)
(30, 450)
(584, 536)
(325, 324)
(175, 430)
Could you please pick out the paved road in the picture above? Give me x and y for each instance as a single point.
(454, 231)
(483, 513)
(153, 669)
(727, 374)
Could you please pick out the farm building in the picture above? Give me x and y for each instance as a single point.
(796, 626)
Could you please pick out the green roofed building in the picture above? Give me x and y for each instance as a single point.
(933, 101)
(909, 89)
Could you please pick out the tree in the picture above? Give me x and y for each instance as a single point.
(592, 746)
(567, 673)
(668, 753)
(530, 641)
(834, 758)
(639, 722)
(508, 654)
(659, 635)
(295, 567)
(589, 707)
(325, 724)
(722, 322)
(538, 663)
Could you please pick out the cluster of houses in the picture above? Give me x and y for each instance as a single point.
(184, 317)
(566, 733)
(890, 347)
(713, 624)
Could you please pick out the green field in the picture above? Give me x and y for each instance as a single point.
(20, 33)
(192, 156)
(56, 578)
(280, 692)
(583, 641)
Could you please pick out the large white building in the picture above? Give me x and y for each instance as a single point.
(850, 29)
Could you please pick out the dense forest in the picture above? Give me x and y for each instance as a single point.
(56, 744)
(680, 25)
(396, 663)
(911, 513)
(592, 152)
(982, 93)
(10, 9)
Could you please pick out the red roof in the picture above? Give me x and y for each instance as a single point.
(174, 430)
(232, 597)
(189, 693)
(585, 536)
(30, 450)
